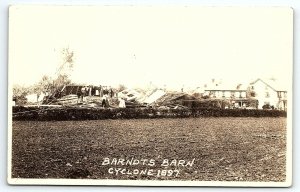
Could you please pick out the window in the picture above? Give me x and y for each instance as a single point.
(237, 94)
(267, 94)
(232, 93)
(252, 94)
(243, 94)
(279, 94)
(213, 93)
(240, 94)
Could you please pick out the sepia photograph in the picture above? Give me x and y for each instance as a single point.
(150, 95)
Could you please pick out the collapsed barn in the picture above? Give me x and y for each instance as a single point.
(78, 102)
(108, 97)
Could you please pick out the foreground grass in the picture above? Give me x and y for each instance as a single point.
(225, 149)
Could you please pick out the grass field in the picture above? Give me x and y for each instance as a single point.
(225, 149)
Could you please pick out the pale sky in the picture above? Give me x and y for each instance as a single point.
(170, 46)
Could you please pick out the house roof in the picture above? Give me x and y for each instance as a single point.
(273, 84)
(227, 87)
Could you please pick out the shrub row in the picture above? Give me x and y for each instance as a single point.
(68, 113)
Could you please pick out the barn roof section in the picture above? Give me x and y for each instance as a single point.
(273, 84)
(171, 96)
(131, 94)
(154, 96)
(129, 91)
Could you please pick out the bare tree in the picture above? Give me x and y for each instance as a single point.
(62, 75)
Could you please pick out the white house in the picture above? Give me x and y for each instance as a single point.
(235, 93)
(269, 92)
(265, 92)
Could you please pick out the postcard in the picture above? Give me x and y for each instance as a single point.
(150, 95)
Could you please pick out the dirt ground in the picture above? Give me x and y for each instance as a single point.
(223, 149)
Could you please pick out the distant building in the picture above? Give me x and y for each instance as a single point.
(226, 92)
(257, 94)
(269, 92)
(236, 94)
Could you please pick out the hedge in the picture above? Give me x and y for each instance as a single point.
(75, 113)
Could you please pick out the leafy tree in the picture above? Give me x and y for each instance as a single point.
(19, 94)
(45, 84)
